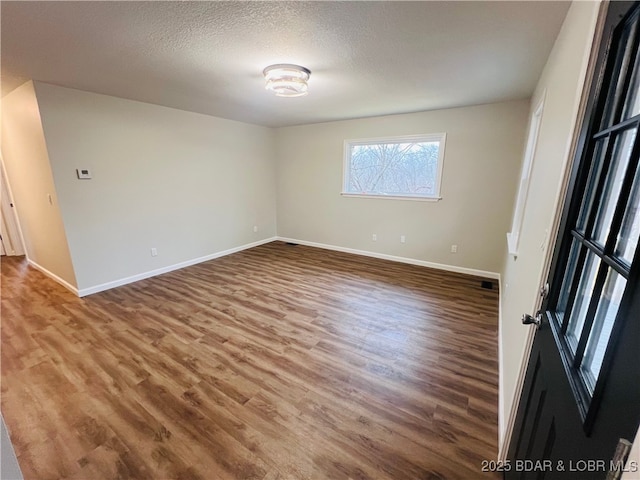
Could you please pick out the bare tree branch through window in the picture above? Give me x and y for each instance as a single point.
(407, 167)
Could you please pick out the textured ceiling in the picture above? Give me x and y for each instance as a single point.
(366, 58)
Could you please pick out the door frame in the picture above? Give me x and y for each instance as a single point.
(12, 237)
(580, 109)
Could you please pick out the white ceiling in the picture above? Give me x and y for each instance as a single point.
(366, 58)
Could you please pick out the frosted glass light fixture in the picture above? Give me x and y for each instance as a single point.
(287, 80)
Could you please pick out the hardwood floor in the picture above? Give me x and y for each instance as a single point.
(279, 362)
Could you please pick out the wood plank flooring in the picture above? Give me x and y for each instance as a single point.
(279, 362)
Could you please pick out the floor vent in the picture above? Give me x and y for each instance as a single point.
(292, 244)
(487, 284)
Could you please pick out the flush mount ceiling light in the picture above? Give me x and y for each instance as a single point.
(286, 80)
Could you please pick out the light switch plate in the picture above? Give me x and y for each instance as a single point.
(83, 173)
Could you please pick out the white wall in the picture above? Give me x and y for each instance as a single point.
(187, 184)
(9, 468)
(563, 80)
(483, 150)
(24, 152)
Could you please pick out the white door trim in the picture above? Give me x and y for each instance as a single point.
(12, 238)
(588, 70)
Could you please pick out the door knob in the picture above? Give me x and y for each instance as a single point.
(528, 319)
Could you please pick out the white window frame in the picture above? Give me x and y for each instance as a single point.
(430, 137)
(513, 237)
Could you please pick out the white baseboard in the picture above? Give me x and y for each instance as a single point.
(152, 273)
(393, 258)
(53, 276)
(159, 271)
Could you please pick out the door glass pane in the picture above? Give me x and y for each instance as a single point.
(594, 174)
(632, 103)
(615, 176)
(630, 231)
(583, 298)
(569, 273)
(602, 326)
(617, 77)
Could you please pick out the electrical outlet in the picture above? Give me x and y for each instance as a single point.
(403, 239)
(374, 237)
(154, 252)
(255, 228)
(454, 248)
(83, 173)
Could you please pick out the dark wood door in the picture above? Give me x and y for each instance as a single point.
(581, 392)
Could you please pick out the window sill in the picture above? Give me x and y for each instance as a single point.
(392, 197)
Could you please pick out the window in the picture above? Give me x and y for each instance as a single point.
(513, 237)
(407, 167)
